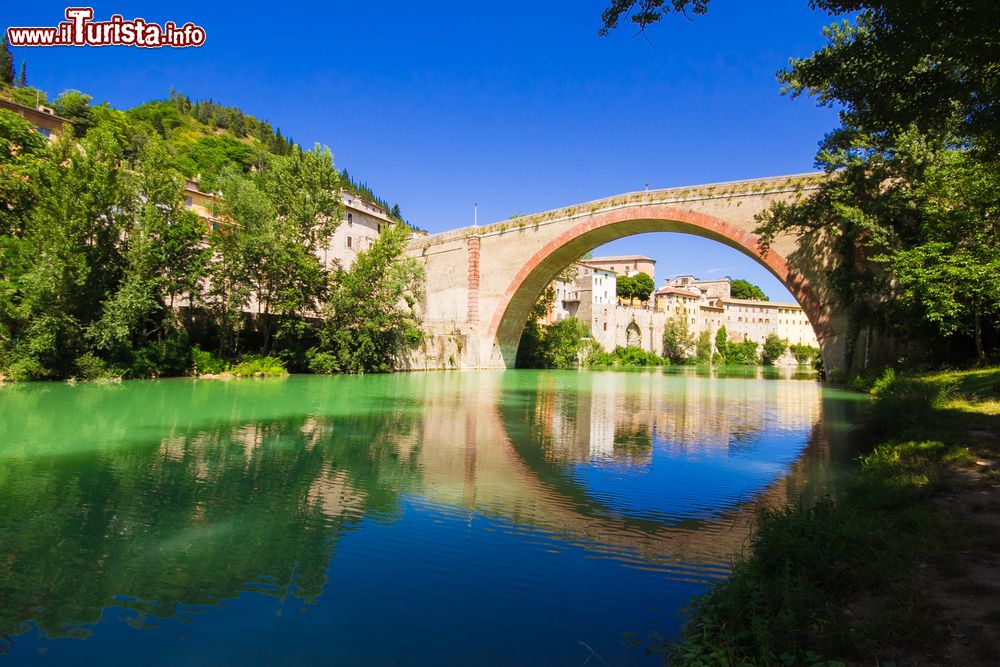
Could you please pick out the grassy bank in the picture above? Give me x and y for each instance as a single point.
(903, 566)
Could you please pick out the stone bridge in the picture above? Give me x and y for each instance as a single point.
(481, 282)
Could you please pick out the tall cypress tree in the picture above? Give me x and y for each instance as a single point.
(6, 63)
(23, 79)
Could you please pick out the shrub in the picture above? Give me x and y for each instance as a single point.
(206, 363)
(322, 362)
(91, 367)
(626, 356)
(742, 354)
(257, 365)
(803, 353)
(774, 347)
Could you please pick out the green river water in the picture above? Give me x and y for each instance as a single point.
(507, 518)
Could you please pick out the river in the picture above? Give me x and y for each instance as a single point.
(507, 518)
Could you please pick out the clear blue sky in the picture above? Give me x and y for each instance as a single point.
(518, 106)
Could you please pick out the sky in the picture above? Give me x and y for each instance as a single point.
(519, 107)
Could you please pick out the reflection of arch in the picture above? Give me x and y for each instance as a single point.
(511, 313)
(633, 335)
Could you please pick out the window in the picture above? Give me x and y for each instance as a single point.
(350, 221)
(348, 241)
(188, 202)
(605, 326)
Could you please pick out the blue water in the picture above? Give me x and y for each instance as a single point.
(509, 518)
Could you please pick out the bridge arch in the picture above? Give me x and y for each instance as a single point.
(511, 313)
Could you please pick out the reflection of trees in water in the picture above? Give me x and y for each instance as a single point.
(189, 519)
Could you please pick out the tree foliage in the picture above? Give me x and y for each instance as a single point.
(744, 289)
(912, 198)
(774, 346)
(640, 286)
(677, 338)
(368, 318)
(6, 62)
(104, 272)
(703, 347)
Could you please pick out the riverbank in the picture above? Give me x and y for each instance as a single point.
(903, 566)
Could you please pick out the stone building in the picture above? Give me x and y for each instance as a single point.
(625, 265)
(361, 225)
(706, 305)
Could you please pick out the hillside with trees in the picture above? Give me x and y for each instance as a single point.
(104, 273)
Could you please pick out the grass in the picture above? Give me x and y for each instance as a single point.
(869, 576)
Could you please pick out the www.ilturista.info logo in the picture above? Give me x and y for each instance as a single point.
(79, 29)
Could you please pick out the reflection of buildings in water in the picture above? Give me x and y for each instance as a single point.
(717, 415)
(333, 493)
(593, 417)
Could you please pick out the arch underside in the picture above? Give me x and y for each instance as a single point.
(513, 311)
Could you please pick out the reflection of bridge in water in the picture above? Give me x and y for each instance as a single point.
(183, 492)
(511, 452)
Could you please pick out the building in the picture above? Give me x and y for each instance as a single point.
(626, 265)
(721, 288)
(705, 305)
(42, 117)
(756, 320)
(361, 225)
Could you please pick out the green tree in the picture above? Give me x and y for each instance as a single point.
(23, 152)
(368, 319)
(703, 347)
(283, 217)
(722, 342)
(743, 353)
(82, 208)
(625, 287)
(23, 79)
(677, 339)
(643, 13)
(744, 289)
(774, 347)
(561, 343)
(642, 286)
(6, 62)
(75, 106)
(164, 258)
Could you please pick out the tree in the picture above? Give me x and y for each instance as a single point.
(164, 257)
(644, 13)
(81, 211)
(917, 101)
(368, 319)
(774, 347)
(703, 347)
(283, 217)
(561, 342)
(743, 289)
(23, 79)
(6, 62)
(625, 287)
(642, 286)
(722, 342)
(743, 353)
(22, 155)
(677, 339)
(75, 106)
